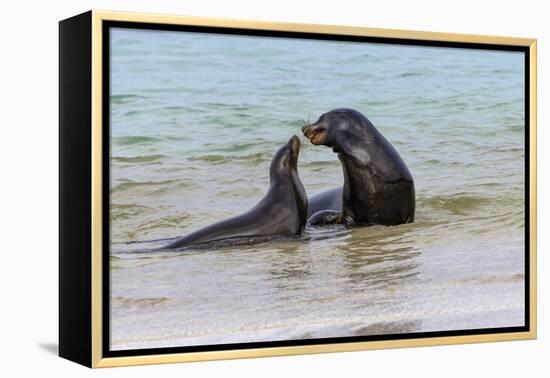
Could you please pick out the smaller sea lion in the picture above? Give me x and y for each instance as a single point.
(282, 211)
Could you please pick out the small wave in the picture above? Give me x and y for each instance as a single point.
(173, 107)
(502, 70)
(138, 159)
(516, 128)
(136, 139)
(457, 204)
(148, 241)
(128, 41)
(235, 147)
(361, 58)
(509, 221)
(488, 280)
(138, 302)
(425, 101)
(169, 221)
(409, 74)
(433, 162)
(133, 112)
(209, 158)
(127, 211)
(497, 105)
(243, 115)
(124, 99)
(127, 185)
(212, 158)
(509, 151)
(322, 164)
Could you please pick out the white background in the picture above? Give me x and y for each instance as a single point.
(29, 189)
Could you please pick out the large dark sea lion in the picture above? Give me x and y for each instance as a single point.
(282, 211)
(378, 187)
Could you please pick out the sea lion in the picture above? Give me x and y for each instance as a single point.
(282, 211)
(378, 187)
(328, 200)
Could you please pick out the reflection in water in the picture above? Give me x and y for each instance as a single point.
(290, 265)
(381, 258)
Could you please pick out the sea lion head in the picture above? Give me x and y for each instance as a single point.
(285, 161)
(335, 128)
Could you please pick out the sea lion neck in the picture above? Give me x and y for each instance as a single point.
(277, 176)
(358, 152)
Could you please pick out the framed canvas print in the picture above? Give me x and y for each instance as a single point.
(235, 188)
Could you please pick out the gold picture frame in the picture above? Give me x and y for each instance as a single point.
(82, 265)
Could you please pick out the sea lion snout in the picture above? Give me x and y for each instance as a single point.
(294, 146)
(294, 143)
(315, 133)
(307, 130)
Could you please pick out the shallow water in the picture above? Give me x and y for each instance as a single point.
(195, 121)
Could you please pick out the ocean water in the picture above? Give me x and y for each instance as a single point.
(195, 121)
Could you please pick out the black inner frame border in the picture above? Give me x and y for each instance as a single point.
(107, 25)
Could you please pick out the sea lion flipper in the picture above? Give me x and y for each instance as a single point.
(325, 217)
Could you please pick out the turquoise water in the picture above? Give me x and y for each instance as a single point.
(195, 121)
